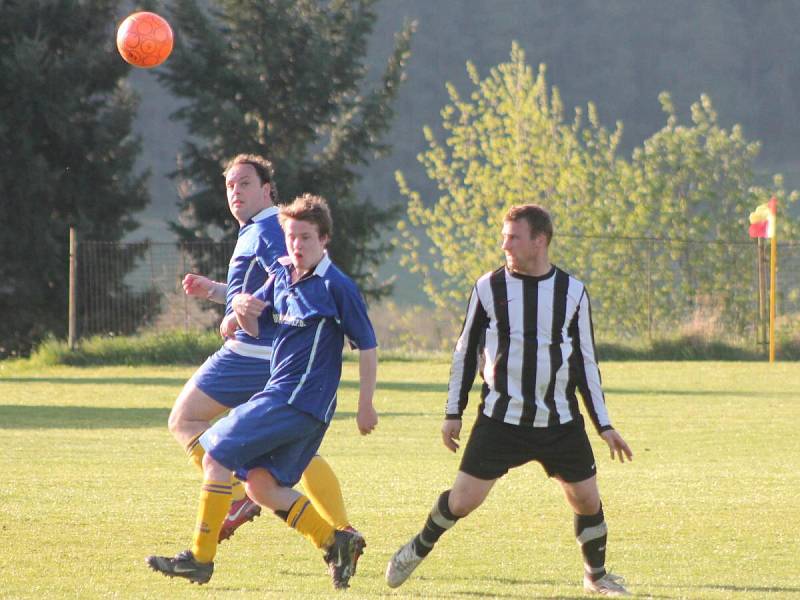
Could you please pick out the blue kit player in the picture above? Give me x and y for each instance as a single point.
(268, 441)
(241, 367)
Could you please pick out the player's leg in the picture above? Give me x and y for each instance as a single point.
(572, 465)
(481, 466)
(197, 563)
(322, 487)
(225, 380)
(189, 418)
(292, 439)
(467, 494)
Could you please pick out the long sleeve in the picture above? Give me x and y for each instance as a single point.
(465, 357)
(589, 381)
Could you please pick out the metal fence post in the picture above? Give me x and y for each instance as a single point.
(72, 312)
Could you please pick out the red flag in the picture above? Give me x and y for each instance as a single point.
(762, 219)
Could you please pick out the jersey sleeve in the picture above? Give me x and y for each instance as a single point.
(270, 246)
(465, 357)
(588, 373)
(353, 317)
(266, 293)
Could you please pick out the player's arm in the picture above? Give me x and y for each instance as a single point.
(203, 287)
(451, 432)
(590, 388)
(618, 446)
(247, 308)
(367, 417)
(462, 369)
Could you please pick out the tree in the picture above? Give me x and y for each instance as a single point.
(67, 155)
(284, 78)
(656, 233)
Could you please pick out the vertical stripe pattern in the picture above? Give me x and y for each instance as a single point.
(536, 338)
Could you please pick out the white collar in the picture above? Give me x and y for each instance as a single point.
(264, 214)
(321, 268)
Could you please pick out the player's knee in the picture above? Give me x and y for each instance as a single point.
(174, 422)
(463, 504)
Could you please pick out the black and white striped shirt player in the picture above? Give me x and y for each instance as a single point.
(529, 325)
(537, 343)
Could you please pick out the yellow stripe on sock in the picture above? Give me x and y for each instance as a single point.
(237, 490)
(304, 518)
(195, 452)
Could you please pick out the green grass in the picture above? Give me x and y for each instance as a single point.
(92, 483)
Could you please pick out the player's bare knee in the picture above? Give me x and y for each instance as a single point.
(461, 504)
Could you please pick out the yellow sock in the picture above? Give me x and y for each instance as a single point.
(322, 488)
(215, 500)
(195, 452)
(305, 519)
(237, 489)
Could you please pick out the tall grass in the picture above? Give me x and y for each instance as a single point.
(181, 348)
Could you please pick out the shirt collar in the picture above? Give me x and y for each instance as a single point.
(320, 270)
(264, 214)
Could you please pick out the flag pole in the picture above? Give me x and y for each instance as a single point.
(773, 269)
(773, 264)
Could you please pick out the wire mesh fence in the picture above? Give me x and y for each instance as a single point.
(642, 289)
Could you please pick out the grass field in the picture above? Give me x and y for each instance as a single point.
(92, 482)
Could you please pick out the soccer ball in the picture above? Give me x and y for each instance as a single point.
(144, 39)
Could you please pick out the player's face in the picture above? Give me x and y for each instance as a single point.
(246, 196)
(522, 251)
(304, 244)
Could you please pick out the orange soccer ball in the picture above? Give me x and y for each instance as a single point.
(144, 39)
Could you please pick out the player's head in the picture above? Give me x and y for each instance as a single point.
(307, 226)
(527, 231)
(250, 186)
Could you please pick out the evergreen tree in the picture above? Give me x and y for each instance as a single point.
(66, 157)
(284, 78)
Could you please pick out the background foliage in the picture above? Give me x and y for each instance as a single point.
(509, 142)
(284, 78)
(67, 157)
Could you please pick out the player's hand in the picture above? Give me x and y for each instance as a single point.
(197, 285)
(451, 430)
(228, 326)
(366, 419)
(247, 305)
(619, 448)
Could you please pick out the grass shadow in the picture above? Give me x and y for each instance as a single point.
(97, 380)
(80, 417)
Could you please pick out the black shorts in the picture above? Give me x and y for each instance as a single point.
(494, 447)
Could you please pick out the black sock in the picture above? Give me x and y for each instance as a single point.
(439, 520)
(591, 532)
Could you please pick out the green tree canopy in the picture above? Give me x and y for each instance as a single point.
(284, 78)
(510, 143)
(67, 155)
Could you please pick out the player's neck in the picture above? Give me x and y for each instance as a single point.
(534, 268)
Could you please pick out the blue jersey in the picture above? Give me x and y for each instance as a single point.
(313, 316)
(259, 245)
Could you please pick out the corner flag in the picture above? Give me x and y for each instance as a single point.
(762, 220)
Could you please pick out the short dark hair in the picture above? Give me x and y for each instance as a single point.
(310, 208)
(263, 167)
(537, 217)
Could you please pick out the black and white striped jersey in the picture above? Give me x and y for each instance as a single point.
(537, 342)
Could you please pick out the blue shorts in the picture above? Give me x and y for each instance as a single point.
(231, 379)
(265, 432)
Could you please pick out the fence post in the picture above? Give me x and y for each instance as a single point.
(72, 312)
(650, 252)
